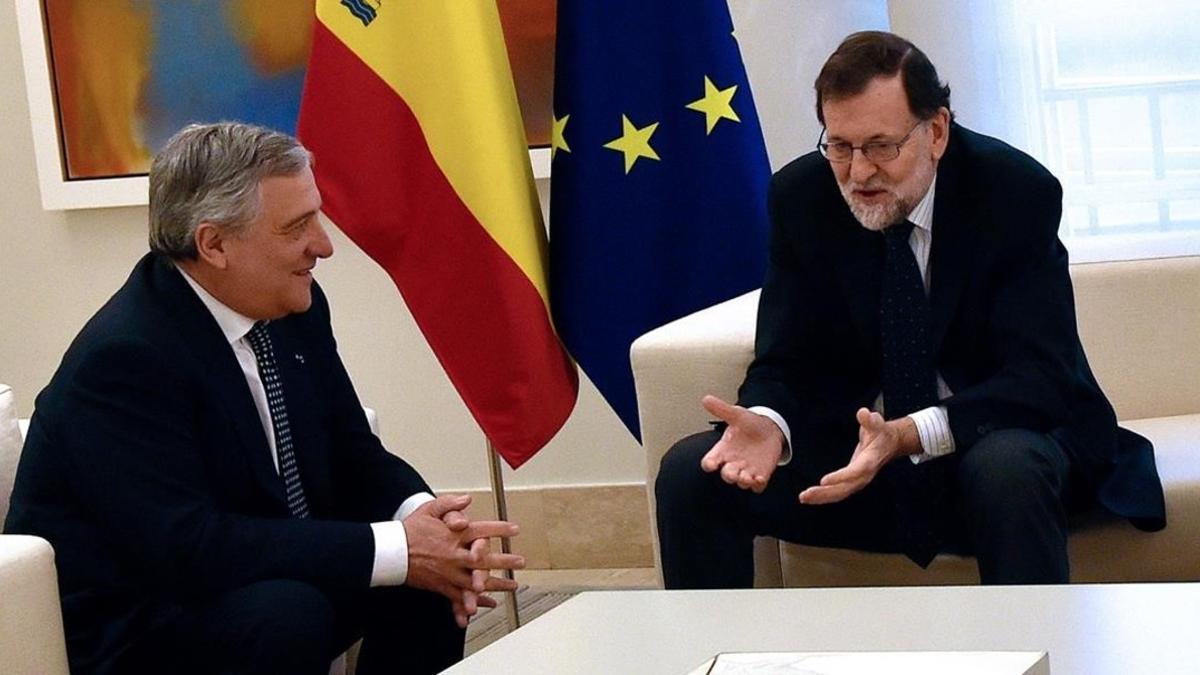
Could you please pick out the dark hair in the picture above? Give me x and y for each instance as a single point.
(865, 55)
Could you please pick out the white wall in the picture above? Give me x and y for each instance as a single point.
(58, 267)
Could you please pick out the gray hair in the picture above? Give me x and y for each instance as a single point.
(210, 173)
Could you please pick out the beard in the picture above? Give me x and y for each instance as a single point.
(879, 215)
(899, 199)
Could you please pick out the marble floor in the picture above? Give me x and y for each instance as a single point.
(487, 629)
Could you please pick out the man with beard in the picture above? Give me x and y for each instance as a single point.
(918, 382)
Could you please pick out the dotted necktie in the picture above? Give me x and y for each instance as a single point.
(909, 383)
(260, 342)
(909, 379)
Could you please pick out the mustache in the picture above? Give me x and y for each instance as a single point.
(869, 186)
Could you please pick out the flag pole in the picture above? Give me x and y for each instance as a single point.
(514, 615)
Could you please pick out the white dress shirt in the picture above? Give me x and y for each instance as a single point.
(933, 423)
(390, 567)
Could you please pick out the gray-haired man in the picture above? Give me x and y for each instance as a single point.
(203, 468)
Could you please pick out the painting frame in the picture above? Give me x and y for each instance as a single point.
(58, 192)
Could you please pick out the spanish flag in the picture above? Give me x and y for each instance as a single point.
(419, 152)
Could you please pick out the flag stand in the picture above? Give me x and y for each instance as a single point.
(514, 615)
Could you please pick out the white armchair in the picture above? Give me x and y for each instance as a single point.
(31, 629)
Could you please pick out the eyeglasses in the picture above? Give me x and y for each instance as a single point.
(875, 151)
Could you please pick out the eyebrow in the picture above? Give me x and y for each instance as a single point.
(295, 222)
(873, 139)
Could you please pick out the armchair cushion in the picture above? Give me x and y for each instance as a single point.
(10, 446)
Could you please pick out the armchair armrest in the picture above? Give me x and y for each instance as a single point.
(31, 629)
(675, 365)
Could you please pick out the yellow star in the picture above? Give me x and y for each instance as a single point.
(715, 104)
(557, 142)
(634, 142)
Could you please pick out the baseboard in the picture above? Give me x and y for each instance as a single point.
(576, 527)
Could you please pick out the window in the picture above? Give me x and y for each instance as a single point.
(1105, 93)
(1118, 100)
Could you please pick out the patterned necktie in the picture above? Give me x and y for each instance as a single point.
(909, 383)
(260, 342)
(909, 379)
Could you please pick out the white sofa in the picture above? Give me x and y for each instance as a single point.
(1140, 325)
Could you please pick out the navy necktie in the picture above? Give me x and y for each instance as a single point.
(909, 383)
(909, 379)
(260, 342)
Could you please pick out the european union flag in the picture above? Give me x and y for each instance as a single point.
(659, 177)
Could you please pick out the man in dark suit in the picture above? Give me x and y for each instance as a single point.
(204, 469)
(918, 382)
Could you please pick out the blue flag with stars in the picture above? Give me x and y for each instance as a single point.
(659, 177)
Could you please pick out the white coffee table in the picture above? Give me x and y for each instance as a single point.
(1099, 629)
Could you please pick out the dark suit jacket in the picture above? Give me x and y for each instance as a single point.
(148, 470)
(1003, 317)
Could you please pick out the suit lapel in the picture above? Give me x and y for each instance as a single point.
(950, 256)
(223, 373)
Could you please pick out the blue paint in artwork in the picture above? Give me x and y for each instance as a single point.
(201, 73)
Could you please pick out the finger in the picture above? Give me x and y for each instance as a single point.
(460, 613)
(721, 410)
(470, 601)
(760, 484)
(502, 561)
(457, 521)
(484, 529)
(487, 601)
(875, 422)
(497, 584)
(862, 416)
(713, 459)
(745, 479)
(479, 580)
(443, 504)
(730, 471)
(480, 548)
(824, 495)
(846, 474)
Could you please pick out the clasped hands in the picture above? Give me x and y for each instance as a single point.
(749, 450)
(451, 555)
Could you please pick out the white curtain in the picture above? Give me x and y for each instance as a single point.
(1106, 93)
(783, 44)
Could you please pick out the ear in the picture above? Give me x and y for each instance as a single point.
(211, 241)
(939, 127)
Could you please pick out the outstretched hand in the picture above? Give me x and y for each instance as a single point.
(451, 555)
(748, 451)
(879, 442)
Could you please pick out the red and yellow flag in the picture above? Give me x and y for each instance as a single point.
(410, 112)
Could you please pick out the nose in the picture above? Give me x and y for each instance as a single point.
(861, 168)
(320, 246)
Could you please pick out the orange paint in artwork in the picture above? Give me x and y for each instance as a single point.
(101, 55)
(277, 36)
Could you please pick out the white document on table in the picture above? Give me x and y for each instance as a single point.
(872, 663)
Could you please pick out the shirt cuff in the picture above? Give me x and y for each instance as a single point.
(412, 504)
(933, 427)
(390, 567)
(391, 554)
(786, 455)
